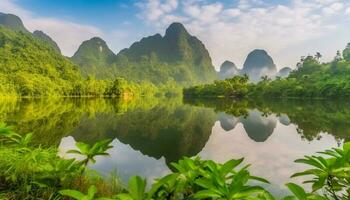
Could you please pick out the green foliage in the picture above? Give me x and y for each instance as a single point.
(94, 58)
(177, 56)
(346, 53)
(136, 190)
(80, 196)
(235, 87)
(38, 173)
(42, 36)
(30, 66)
(34, 172)
(90, 152)
(331, 174)
(311, 79)
(200, 179)
(300, 194)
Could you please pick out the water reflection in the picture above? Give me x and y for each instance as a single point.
(149, 134)
(161, 131)
(310, 117)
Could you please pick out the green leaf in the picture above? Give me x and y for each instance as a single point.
(72, 193)
(137, 187)
(298, 191)
(259, 179)
(124, 197)
(92, 191)
(230, 165)
(204, 194)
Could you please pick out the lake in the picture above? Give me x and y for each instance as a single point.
(150, 133)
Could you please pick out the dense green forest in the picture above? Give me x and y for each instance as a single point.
(311, 79)
(30, 66)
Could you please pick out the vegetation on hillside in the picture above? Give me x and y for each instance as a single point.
(178, 57)
(31, 67)
(312, 79)
(29, 172)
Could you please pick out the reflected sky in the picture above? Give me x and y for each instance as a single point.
(272, 159)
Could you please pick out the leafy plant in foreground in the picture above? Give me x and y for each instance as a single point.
(80, 196)
(200, 179)
(331, 174)
(300, 194)
(90, 152)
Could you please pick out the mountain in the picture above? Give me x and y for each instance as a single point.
(12, 22)
(30, 67)
(95, 58)
(176, 56)
(258, 64)
(42, 36)
(227, 70)
(284, 72)
(15, 23)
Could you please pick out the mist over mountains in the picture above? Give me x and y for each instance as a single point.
(257, 65)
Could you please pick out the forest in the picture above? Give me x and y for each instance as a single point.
(30, 67)
(311, 79)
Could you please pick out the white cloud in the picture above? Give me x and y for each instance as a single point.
(333, 8)
(231, 32)
(157, 8)
(68, 35)
(347, 11)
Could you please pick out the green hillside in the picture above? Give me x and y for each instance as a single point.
(95, 58)
(12, 22)
(177, 56)
(44, 37)
(30, 67)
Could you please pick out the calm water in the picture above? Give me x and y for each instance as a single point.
(149, 134)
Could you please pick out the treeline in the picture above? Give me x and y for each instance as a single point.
(237, 86)
(311, 79)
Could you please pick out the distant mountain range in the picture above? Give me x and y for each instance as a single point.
(175, 57)
(257, 64)
(228, 69)
(14, 23)
(178, 56)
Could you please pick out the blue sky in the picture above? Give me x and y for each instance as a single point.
(230, 29)
(105, 14)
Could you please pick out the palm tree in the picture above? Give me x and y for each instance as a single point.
(90, 152)
(338, 56)
(318, 56)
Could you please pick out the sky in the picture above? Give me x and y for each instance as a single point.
(230, 29)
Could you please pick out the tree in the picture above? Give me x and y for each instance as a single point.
(318, 56)
(346, 52)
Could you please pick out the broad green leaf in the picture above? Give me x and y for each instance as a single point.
(72, 193)
(298, 191)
